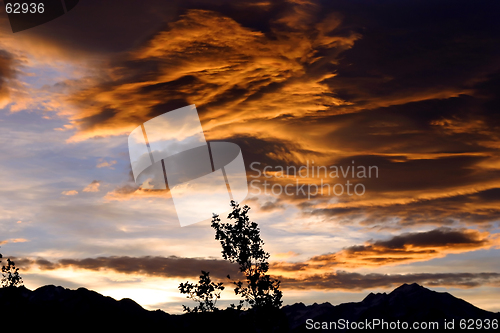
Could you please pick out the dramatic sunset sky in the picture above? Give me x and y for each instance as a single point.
(410, 87)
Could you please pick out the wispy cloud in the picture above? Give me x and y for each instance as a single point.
(92, 187)
(106, 164)
(258, 77)
(408, 247)
(167, 267)
(14, 240)
(356, 281)
(70, 192)
(177, 267)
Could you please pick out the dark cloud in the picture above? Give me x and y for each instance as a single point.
(379, 174)
(398, 173)
(269, 206)
(414, 49)
(400, 249)
(236, 72)
(175, 267)
(270, 152)
(476, 208)
(8, 70)
(406, 248)
(168, 267)
(443, 237)
(357, 281)
(453, 125)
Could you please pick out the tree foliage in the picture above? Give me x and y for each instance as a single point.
(10, 275)
(206, 292)
(241, 244)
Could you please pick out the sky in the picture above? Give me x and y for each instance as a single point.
(369, 131)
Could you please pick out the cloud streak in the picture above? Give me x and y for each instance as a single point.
(409, 247)
(168, 267)
(257, 73)
(177, 267)
(356, 281)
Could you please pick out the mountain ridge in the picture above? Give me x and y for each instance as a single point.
(65, 307)
(409, 303)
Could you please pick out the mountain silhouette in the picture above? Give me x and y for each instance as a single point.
(58, 308)
(410, 303)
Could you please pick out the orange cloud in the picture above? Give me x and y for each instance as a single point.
(14, 240)
(256, 78)
(10, 87)
(128, 192)
(401, 249)
(106, 164)
(348, 281)
(178, 267)
(289, 254)
(72, 192)
(92, 187)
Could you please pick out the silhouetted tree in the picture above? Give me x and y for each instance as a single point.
(10, 275)
(241, 244)
(206, 292)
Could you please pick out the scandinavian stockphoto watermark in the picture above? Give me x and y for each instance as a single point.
(310, 180)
